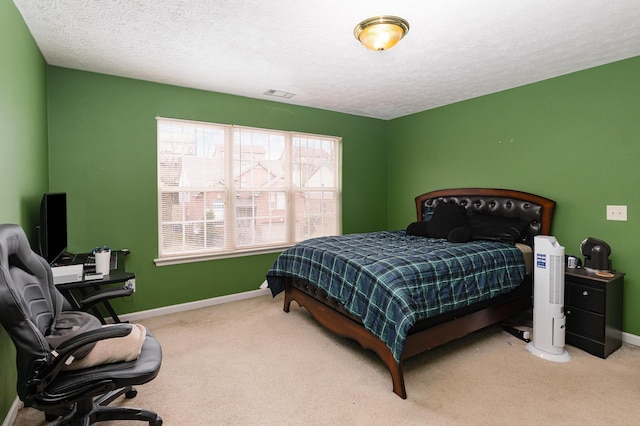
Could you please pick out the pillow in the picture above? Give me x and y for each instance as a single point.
(420, 229)
(118, 349)
(446, 217)
(461, 234)
(497, 228)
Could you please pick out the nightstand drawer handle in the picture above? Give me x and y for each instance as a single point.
(585, 293)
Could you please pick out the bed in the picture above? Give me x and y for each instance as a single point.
(400, 293)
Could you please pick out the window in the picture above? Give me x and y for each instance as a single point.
(227, 190)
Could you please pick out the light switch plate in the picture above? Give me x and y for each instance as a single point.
(617, 213)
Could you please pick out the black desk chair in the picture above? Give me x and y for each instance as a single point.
(29, 305)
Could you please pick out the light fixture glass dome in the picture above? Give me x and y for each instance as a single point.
(381, 32)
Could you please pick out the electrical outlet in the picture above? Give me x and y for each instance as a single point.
(131, 283)
(617, 213)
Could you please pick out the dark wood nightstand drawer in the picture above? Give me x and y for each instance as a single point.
(593, 308)
(585, 323)
(589, 298)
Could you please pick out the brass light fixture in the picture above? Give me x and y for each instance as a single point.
(381, 32)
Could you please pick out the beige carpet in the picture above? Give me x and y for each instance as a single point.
(249, 363)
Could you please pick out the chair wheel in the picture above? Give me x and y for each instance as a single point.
(131, 394)
(158, 421)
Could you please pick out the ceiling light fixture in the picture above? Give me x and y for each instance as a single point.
(381, 32)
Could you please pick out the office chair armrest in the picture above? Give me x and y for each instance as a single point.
(104, 294)
(71, 345)
(47, 371)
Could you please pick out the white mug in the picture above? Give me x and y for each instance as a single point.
(103, 262)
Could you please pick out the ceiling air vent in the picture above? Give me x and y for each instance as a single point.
(279, 94)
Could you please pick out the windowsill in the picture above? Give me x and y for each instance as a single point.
(203, 257)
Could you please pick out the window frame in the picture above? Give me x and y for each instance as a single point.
(230, 192)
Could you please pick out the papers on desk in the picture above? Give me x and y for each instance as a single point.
(93, 276)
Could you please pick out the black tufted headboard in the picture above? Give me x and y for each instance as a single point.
(536, 210)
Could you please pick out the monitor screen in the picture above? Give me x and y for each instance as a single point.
(53, 226)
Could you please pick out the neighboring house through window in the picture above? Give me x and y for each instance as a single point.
(228, 190)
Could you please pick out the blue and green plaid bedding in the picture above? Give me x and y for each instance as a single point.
(391, 280)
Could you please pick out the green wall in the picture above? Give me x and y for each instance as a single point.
(23, 150)
(569, 138)
(102, 150)
(574, 139)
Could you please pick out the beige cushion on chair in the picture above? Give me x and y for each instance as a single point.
(117, 349)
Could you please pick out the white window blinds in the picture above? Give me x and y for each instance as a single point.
(228, 190)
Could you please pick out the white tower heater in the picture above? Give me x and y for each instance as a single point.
(548, 301)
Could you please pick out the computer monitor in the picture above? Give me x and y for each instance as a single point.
(53, 226)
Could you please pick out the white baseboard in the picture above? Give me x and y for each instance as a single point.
(13, 412)
(193, 305)
(632, 339)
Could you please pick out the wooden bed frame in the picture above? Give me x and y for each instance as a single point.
(433, 332)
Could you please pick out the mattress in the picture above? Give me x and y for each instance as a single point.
(390, 280)
(527, 252)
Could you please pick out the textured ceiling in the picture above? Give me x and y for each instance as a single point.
(455, 49)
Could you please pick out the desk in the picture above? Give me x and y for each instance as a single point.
(94, 292)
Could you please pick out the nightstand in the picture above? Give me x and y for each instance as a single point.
(593, 308)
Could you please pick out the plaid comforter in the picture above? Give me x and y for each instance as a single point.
(391, 280)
